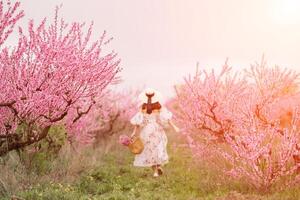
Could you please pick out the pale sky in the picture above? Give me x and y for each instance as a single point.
(160, 41)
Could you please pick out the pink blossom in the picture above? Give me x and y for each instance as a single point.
(124, 140)
(9, 16)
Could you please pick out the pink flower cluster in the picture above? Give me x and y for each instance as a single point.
(124, 140)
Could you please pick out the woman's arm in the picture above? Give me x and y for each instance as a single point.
(134, 131)
(176, 129)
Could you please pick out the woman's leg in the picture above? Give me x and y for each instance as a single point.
(159, 170)
(155, 170)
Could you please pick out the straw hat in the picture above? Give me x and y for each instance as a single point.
(144, 99)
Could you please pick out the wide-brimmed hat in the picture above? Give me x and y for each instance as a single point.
(157, 96)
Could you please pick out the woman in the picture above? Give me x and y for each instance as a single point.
(151, 118)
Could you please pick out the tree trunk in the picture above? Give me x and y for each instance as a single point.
(5, 148)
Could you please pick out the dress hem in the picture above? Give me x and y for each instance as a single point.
(151, 164)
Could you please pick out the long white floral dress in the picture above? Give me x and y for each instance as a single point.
(153, 136)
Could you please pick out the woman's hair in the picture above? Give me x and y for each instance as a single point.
(149, 106)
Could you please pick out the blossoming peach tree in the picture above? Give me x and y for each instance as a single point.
(54, 70)
(236, 118)
(109, 116)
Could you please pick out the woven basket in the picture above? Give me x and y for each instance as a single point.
(136, 146)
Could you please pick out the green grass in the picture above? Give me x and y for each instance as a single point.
(116, 179)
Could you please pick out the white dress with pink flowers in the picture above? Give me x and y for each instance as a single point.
(153, 136)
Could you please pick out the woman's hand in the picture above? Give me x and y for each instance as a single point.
(132, 135)
(176, 129)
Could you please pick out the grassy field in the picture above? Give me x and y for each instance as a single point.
(114, 178)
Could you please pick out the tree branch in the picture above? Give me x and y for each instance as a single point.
(83, 113)
(7, 104)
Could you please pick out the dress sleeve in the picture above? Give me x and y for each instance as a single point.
(137, 119)
(165, 115)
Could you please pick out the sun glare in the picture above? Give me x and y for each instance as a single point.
(285, 11)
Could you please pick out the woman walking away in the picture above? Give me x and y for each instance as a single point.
(150, 120)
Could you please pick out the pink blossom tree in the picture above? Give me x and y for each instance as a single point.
(53, 70)
(206, 102)
(109, 115)
(237, 117)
